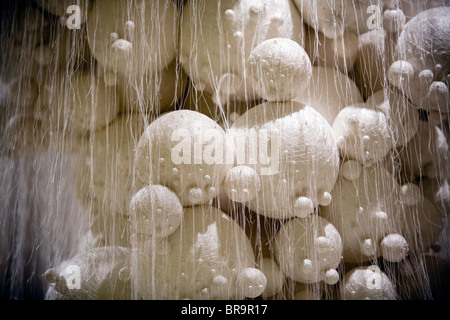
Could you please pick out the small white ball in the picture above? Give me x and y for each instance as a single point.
(281, 67)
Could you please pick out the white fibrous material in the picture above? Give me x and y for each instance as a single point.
(293, 150)
(224, 149)
(96, 274)
(274, 276)
(374, 56)
(367, 283)
(183, 150)
(309, 250)
(88, 104)
(105, 178)
(427, 154)
(208, 257)
(138, 94)
(367, 215)
(401, 116)
(280, 67)
(218, 37)
(422, 68)
(123, 38)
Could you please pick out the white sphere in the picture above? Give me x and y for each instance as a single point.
(292, 148)
(210, 257)
(367, 283)
(155, 210)
(366, 212)
(183, 150)
(307, 249)
(133, 37)
(362, 133)
(280, 67)
(218, 37)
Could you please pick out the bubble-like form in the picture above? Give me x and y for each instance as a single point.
(280, 67)
(293, 150)
(155, 210)
(185, 151)
(309, 250)
(210, 258)
(218, 37)
(362, 133)
(367, 214)
(422, 68)
(132, 38)
(367, 283)
(242, 184)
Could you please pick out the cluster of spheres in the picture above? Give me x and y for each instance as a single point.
(233, 149)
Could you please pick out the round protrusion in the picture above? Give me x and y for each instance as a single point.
(230, 15)
(325, 199)
(438, 94)
(399, 73)
(331, 277)
(212, 192)
(351, 170)
(195, 195)
(252, 281)
(368, 248)
(322, 244)
(219, 287)
(129, 29)
(410, 194)
(124, 274)
(381, 216)
(280, 68)
(113, 37)
(122, 45)
(426, 78)
(307, 266)
(240, 179)
(340, 141)
(393, 20)
(159, 206)
(303, 207)
(394, 248)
